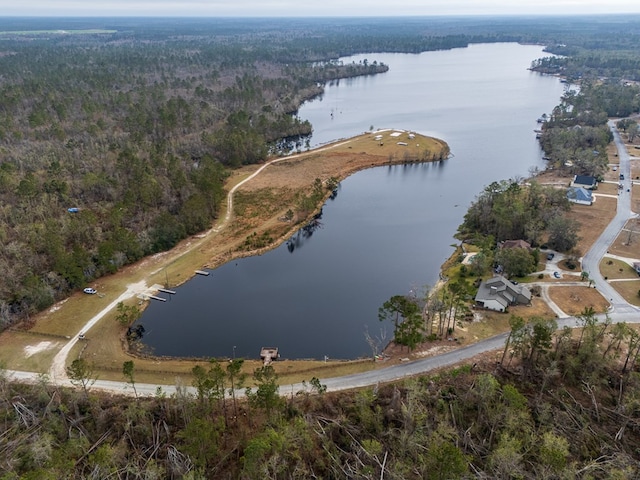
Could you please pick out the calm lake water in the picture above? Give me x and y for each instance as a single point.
(390, 228)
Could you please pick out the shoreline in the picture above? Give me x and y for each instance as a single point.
(289, 371)
(276, 243)
(210, 249)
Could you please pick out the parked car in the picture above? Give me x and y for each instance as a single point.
(550, 256)
(622, 176)
(556, 274)
(90, 291)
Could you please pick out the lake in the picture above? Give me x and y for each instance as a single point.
(390, 228)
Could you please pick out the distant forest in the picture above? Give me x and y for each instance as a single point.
(135, 130)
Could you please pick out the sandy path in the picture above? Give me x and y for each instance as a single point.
(57, 372)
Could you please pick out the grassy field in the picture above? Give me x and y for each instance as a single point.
(614, 269)
(629, 289)
(573, 300)
(593, 219)
(628, 242)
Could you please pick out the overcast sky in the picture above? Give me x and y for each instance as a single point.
(280, 8)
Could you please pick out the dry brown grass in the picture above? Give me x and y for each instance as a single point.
(612, 153)
(608, 188)
(611, 269)
(593, 219)
(629, 290)
(627, 244)
(491, 324)
(573, 300)
(538, 308)
(633, 149)
(14, 350)
(342, 160)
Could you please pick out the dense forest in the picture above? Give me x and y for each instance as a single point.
(116, 145)
(552, 405)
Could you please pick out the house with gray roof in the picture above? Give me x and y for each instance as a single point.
(498, 293)
(580, 195)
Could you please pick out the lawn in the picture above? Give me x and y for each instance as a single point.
(573, 300)
(628, 242)
(593, 219)
(613, 269)
(629, 289)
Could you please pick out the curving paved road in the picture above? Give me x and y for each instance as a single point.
(620, 311)
(591, 261)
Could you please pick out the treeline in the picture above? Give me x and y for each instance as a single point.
(591, 65)
(606, 66)
(134, 130)
(511, 210)
(114, 148)
(555, 404)
(575, 136)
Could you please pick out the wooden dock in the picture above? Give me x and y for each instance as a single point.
(160, 299)
(269, 354)
(166, 290)
(202, 272)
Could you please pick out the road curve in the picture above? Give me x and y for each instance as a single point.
(591, 261)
